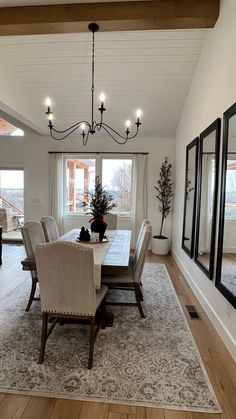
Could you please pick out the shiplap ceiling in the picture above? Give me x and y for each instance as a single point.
(151, 70)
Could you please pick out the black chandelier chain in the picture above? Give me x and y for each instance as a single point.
(91, 128)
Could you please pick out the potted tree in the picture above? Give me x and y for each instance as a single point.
(99, 202)
(164, 194)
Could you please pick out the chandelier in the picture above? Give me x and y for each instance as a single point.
(93, 126)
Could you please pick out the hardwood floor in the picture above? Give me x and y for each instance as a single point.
(218, 362)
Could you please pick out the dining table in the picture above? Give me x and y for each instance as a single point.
(113, 255)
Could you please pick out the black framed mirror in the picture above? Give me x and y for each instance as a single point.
(190, 194)
(207, 197)
(226, 258)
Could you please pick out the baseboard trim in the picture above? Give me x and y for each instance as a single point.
(213, 316)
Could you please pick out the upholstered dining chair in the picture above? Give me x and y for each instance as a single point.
(145, 222)
(67, 287)
(131, 279)
(111, 220)
(32, 234)
(50, 228)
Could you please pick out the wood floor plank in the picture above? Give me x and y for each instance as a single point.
(222, 352)
(2, 395)
(207, 416)
(39, 408)
(13, 405)
(66, 409)
(91, 410)
(222, 385)
(177, 414)
(113, 415)
(204, 342)
(141, 412)
(121, 408)
(152, 413)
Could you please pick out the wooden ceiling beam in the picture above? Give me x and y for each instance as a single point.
(118, 16)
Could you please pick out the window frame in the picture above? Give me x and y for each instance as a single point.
(98, 157)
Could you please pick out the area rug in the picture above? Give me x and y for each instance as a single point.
(228, 278)
(149, 362)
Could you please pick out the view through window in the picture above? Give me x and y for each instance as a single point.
(116, 179)
(80, 174)
(80, 178)
(11, 199)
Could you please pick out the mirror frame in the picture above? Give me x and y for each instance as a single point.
(229, 113)
(194, 143)
(215, 126)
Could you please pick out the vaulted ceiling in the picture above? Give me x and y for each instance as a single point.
(151, 70)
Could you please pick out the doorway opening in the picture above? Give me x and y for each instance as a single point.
(11, 204)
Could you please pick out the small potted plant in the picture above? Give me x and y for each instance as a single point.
(99, 203)
(164, 194)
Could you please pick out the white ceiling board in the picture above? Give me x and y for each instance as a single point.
(151, 70)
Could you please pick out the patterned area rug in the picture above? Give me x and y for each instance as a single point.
(228, 278)
(148, 362)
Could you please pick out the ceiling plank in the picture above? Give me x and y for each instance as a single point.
(118, 16)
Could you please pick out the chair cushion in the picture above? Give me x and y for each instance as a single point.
(100, 294)
(124, 278)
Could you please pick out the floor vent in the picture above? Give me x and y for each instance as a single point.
(193, 314)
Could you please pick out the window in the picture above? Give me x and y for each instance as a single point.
(116, 179)
(8, 129)
(79, 177)
(12, 191)
(230, 195)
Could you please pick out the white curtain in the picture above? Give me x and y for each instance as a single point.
(139, 194)
(56, 188)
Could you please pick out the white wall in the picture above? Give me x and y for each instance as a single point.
(31, 154)
(213, 90)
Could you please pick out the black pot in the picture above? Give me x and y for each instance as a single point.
(99, 226)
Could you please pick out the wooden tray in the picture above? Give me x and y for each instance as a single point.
(103, 241)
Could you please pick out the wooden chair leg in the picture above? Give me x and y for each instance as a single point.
(32, 293)
(92, 339)
(137, 295)
(43, 337)
(140, 293)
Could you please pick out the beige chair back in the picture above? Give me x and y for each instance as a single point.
(66, 278)
(111, 220)
(50, 228)
(32, 234)
(141, 251)
(145, 222)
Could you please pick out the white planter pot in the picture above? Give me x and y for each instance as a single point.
(160, 246)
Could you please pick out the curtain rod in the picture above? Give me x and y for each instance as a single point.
(93, 152)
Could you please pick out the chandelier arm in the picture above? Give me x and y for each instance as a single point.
(112, 136)
(107, 128)
(72, 127)
(61, 132)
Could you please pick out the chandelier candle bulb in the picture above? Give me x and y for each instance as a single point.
(48, 102)
(92, 127)
(128, 123)
(102, 98)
